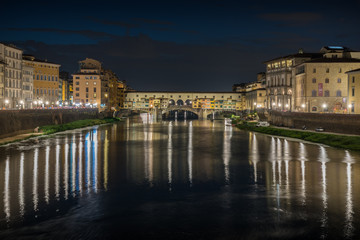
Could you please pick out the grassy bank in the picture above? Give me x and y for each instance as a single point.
(339, 141)
(76, 124)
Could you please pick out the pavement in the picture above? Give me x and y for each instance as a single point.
(300, 130)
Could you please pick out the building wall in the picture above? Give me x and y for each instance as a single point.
(46, 81)
(323, 77)
(87, 88)
(354, 92)
(27, 86)
(12, 56)
(2, 86)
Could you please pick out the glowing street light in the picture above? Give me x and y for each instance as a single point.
(287, 105)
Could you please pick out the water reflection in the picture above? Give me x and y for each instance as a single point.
(190, 152)
(35, 179)
(227, 151)
(21, 185)
(298, 184)
(7, 190)
(169, 154)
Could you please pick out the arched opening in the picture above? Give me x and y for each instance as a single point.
(171, 102)
(188, 102)
(179, 102)
(179, 115)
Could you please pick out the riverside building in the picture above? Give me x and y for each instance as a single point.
(12, 57)
(321, 84)
(280, 80)
(27, 87)
(354, 91)
(46, 81)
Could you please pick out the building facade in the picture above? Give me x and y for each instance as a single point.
(2, 85)
(27, 87)
(322, 85)
(46, 81)
(87, 84)
(12, 56)
(354, 91)
(280, 78)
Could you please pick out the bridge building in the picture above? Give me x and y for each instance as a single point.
(200, 103)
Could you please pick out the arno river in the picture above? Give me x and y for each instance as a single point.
(177, 180)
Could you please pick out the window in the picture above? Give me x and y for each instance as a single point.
(77, 94)
(339, 80)
(87, 90)
(314, 80)
(327, 93)
(314, 70)
(314, 109)
(353, 79)
(94, 95)
(94, 89)
(44, 77)
(327, 70)
(52, 78)
(77, 77)
(313, 93)
(340, 70)
(260, 94)
(77, 89)
(326, 80)
(77, 83)
(353, 91)
(338, 93)
(87, 95)
(41, 77)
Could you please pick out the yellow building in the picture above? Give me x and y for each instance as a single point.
(354, 91)
(46, 81)
(322, 84)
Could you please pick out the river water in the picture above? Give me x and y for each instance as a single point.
(177, 180)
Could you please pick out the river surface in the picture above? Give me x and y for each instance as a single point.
(141, 179)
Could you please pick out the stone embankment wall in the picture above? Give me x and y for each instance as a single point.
(14, 122)
(338, 123)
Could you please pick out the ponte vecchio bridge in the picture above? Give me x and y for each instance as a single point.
(200, 103)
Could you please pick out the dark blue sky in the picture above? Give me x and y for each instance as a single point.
(178, 45)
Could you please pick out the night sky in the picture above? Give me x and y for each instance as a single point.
(178, 45)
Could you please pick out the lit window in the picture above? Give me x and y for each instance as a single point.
(338, 93)
(339, 80)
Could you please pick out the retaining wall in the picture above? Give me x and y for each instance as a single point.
(13, 122)
(339, 123)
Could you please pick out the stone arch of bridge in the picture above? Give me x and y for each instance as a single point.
(181, 108)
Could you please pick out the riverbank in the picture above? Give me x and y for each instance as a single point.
(333, 140)
(50, 129)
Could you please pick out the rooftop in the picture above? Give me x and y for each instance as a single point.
(333, 60)
(28, 57)
(354, 71)
(297, 55)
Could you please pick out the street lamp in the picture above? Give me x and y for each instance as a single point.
(21, 104)
(349, 108)
(324, 107)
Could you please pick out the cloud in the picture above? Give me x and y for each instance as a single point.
(87, 33)
(148, 64)
(152, 21)
(298, 18)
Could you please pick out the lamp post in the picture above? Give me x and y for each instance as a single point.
(303, 107)
(349, 108)
(21, 104)
(6, 103)
(324, 107)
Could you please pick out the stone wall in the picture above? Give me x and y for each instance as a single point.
(339, 123)
(20, 121)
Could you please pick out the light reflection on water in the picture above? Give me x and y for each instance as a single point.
(291, 179)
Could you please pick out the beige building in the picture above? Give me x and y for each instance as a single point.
(27, 87)
(354, 91)
(87, 84)
(12, 56)
(46, 81)
(322, 84)
(2, 86)
(280, 78)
